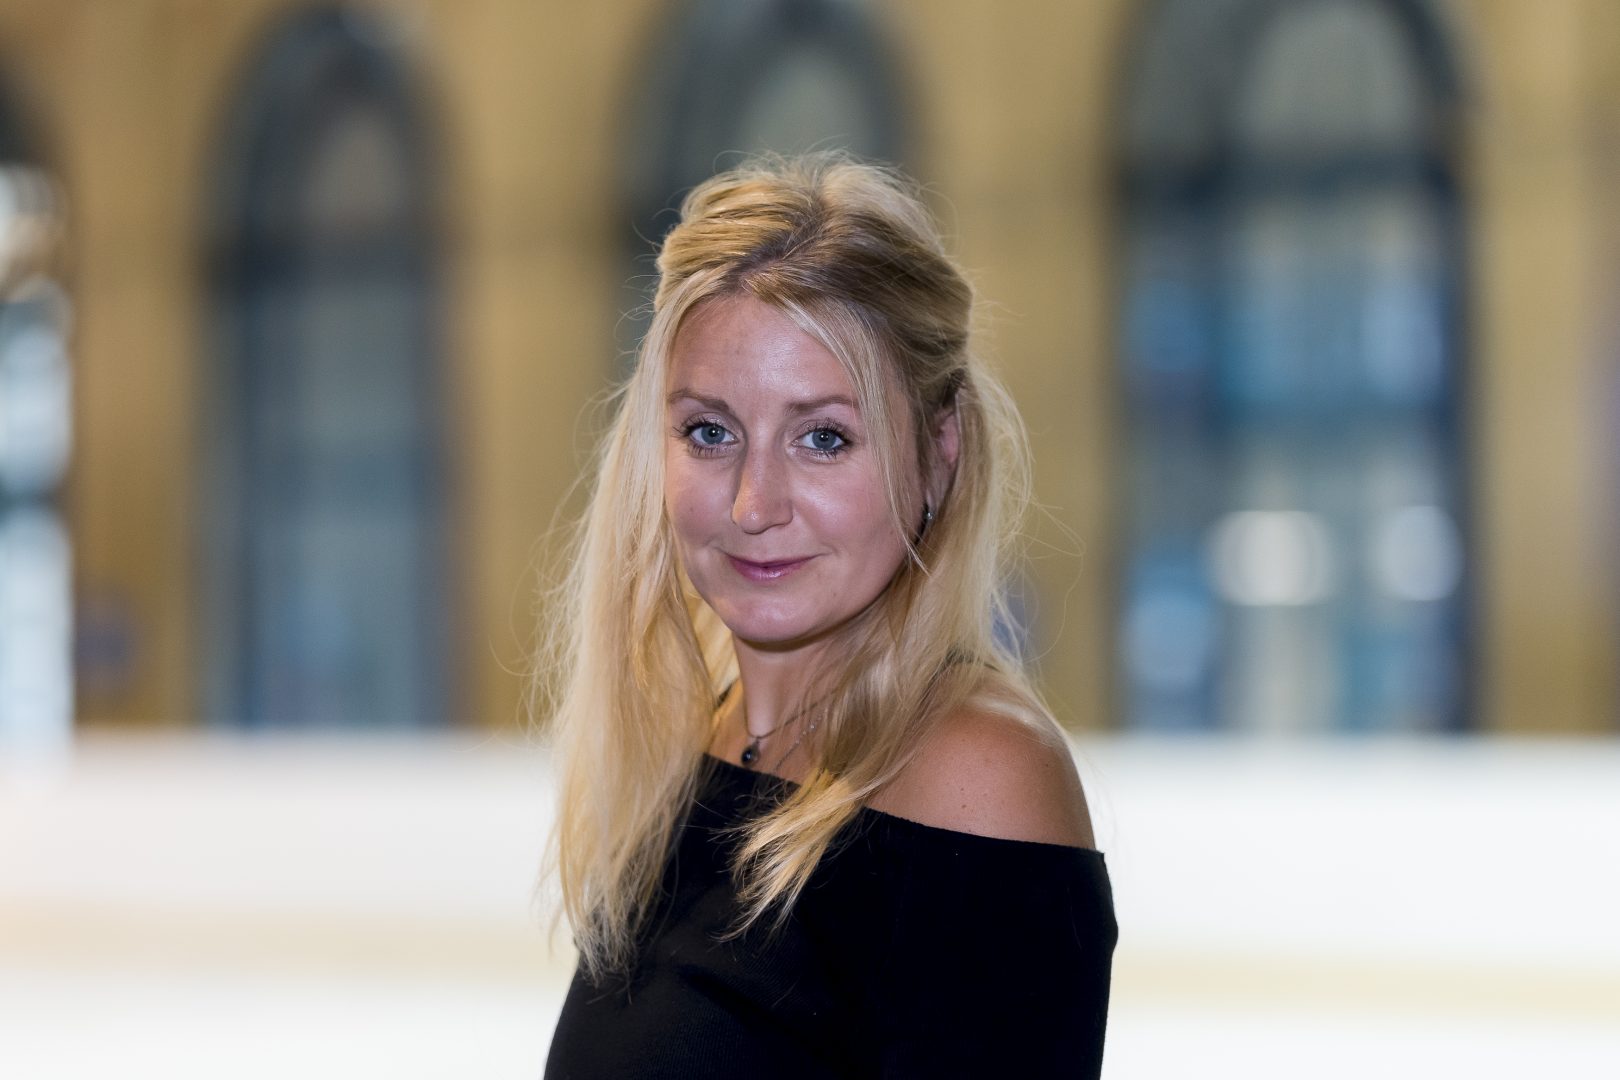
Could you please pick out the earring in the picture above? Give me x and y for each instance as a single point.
(928, 519)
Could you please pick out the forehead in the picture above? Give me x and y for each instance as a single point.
(740, 345)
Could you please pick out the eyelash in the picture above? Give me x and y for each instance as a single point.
(843, 440)
(697, 449)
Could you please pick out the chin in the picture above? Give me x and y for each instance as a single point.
(766, 630)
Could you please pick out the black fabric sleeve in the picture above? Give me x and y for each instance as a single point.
(998, 959)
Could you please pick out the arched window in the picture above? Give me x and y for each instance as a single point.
(729, 80)
(327, 589)
(36, 671)
(1294, 550)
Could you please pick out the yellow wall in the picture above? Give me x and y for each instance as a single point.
(1016, 139)
(1544, 347)
(1013, 106)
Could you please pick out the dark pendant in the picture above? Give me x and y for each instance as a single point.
(750, 754)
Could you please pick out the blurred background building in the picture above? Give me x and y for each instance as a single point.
(1309, 306)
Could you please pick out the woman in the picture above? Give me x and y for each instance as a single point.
(814, 821)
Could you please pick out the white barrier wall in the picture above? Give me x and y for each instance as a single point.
(207, 906)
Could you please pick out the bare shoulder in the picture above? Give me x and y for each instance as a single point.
(992, 775)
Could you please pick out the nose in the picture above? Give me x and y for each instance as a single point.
(762, 499)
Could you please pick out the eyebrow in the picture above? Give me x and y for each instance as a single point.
(719, 404)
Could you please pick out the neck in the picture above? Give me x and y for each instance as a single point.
(774, 684)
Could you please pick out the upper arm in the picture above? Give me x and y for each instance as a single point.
(992, 775)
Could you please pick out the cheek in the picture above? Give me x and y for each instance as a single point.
(677, 503)
(856, 515)
(688, 502)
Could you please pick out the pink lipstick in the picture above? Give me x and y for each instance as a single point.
(766, 571)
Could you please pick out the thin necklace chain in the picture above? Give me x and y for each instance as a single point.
(808, 728)
(750, 754)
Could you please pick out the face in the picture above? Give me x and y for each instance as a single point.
(772, 480)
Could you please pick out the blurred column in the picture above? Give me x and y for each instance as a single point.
(36, 596)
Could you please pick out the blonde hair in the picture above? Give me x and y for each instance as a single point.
(637, 660)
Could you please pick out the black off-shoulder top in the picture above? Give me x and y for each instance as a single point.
(913, 952)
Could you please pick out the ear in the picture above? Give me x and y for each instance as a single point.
(947, 436)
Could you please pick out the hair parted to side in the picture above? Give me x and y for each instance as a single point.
(634, 665)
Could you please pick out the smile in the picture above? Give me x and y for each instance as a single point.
(766, 571)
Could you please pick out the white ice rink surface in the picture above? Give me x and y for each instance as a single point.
(203, 906)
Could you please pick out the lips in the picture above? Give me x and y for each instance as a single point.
(766, 571)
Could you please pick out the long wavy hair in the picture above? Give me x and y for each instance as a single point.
(633, 663)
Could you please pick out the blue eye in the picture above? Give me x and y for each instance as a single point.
(825, 441)
(709, 434)
(706, 436)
